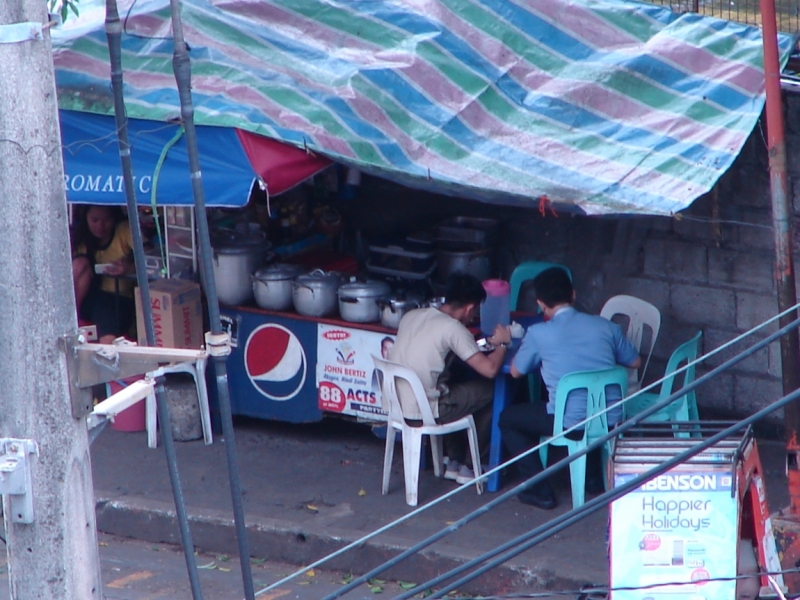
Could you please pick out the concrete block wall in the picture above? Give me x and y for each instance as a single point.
(709, 270)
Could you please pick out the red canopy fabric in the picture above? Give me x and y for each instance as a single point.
(279, 165)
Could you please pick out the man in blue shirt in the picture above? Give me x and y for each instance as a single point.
(567, 341)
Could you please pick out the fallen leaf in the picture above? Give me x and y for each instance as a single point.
(225, 569)
(406, 585)
(258, 561)
(376, 589)
(361, 492)
(223, 558)
(211, 565)
(310, 573)
(104, 544)
(311, 507)
(347, 578)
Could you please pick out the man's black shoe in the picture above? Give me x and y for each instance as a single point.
(545, 501)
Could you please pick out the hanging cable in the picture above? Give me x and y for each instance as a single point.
(113, 33)
(598, 443)
(360, 542)
(217, 341)
(153, 192)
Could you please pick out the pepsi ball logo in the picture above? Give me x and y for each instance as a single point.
(275, 362)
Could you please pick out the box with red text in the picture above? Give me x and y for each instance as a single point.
(177, 314)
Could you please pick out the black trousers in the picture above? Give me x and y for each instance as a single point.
(521, 426)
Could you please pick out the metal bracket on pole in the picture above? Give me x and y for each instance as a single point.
(91, 364)
(15, 477)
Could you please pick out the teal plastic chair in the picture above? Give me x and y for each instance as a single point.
(682, 409)
(525, 272)
(595, 383)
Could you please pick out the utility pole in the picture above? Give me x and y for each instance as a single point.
(56, 555)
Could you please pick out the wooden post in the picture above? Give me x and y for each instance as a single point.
(56, 556)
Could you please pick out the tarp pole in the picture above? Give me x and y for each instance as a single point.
(181, 65)
(114, 35)
(781, 225)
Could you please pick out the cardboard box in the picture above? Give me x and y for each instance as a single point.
(177, 314)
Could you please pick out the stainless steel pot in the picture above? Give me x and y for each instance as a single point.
(392, 311)
(314, 294)
(234, 261)
(358, 301)
(475, 261)
(272, 286)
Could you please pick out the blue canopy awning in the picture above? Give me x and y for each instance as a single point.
(93, 174)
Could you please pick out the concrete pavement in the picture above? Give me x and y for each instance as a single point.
(310, 489)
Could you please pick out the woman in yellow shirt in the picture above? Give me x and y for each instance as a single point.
(103, 251)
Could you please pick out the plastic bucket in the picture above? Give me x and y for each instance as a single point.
(132, 418)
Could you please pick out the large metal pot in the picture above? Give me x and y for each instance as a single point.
(235, 259)
(475, 261)
(358, 301)
(272, 286)
(314, 293)
(392, 311)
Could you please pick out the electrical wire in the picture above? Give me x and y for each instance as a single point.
(530, 539)
(596, 444)
(604, 589)
(360, 542)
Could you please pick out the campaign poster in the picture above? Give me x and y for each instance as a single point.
(345, 381)
(678, 529)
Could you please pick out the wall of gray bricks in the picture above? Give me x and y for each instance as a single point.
(710, 270)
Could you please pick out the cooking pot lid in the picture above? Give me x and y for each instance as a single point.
(278, 272)
(364, 289)
(235, 242)
(319, 277)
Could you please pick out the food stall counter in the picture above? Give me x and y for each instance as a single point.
(289, 367)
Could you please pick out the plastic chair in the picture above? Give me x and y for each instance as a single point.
(197, 370)
(595, 383)
(640, 314)
(388, 374)
(525, 272)
(682, 409)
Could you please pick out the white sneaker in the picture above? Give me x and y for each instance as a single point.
(465, 475)
(452, 470)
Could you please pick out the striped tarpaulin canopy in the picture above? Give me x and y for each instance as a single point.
(608, 106)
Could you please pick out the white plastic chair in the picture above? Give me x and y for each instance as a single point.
(388, 374)
(196, 370)
(640, 314)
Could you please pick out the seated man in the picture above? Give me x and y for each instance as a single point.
(567, 341)
(428, 340)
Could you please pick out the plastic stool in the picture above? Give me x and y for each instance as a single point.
(196, 370)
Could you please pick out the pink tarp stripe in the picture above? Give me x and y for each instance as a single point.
(591, 29)
(663, 122)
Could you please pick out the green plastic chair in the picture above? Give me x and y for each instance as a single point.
(525, 272)
(595, 383)
(682, 409)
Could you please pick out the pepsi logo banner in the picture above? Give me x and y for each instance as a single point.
(345, 372)
(275, 362)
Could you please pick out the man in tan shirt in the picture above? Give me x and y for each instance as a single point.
(428, 340)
